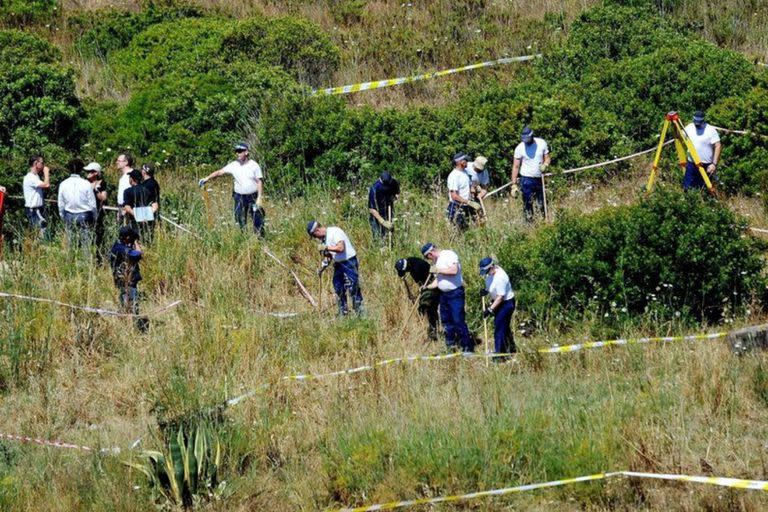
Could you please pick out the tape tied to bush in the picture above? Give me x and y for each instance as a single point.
(735, 483)
(378, 84)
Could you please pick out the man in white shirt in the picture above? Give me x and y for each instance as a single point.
(499, 289)
(124, 164)
(706, 140)
(460, 200)
(34, 193)
(248, 191)
(77, 206)
(451, 285)
(335, 245)
(530, 160)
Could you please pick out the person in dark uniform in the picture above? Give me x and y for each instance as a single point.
(429, 299)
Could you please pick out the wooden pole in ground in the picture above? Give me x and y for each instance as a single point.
(389, 231)
(544, 194)
(207, 202)
(302, 289)
(2, 215)
(485, 332)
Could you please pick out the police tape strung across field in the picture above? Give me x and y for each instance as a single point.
(378, 84)
(735, 483)
(556, 349)
(89, 309)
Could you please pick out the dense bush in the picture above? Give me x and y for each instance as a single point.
(188, 121)
(197, 45)
(17, 47)
(23, 12)
(743, 162)
(671, 255)
(103, 31)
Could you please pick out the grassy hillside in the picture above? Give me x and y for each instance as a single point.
(177, 83)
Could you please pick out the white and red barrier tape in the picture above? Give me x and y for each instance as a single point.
(89, 309)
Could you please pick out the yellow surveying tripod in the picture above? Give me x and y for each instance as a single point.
(684, 147)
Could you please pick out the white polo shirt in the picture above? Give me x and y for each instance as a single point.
(333, 236)
(33, 194)
(458, 180)
(245, 175)
(498, 285)
(123, 184)
(703, 139)
(532, 157)
(76, 196)
(446, 283)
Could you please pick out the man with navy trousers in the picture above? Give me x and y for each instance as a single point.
(499, 289)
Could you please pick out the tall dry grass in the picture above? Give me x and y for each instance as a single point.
(399, 432)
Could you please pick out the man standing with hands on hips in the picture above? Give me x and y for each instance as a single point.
(531, 160)
(452, 297)
(249, 187)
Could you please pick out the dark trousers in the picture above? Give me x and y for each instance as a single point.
(458, 214)
(79, 228)
(35, 217)
(129, 303)
(503, 338)
(346, 277)
(454, 322)
(429, 303)
(378, 231)
(245, 204)
(531, 188)
(692, 178)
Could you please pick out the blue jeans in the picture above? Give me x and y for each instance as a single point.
(346, 276)
(531, 189)
(692, 178)
(35, 217)
(458, 215)
(454, 323)
(503, 339)
(377, 230)
(79, 228)
(245, 204)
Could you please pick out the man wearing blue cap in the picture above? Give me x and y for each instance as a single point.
(381, 200)
(498, 287)
(335, 244)
(429, 298)
(531, 159)
(248, 191)
(459, 193)
(451, 285)
(706, 140)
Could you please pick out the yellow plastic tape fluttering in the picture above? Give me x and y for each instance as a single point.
(378, 84)
(725, 482)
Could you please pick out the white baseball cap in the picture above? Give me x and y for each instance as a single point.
(93, 166)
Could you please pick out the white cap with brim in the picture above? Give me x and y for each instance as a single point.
(93, 166)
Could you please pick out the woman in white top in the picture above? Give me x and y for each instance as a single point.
(498, 287)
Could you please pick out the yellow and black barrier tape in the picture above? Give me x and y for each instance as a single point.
(378, 84)
(711, 480)
(629, 341)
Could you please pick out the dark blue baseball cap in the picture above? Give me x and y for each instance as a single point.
(458, 157)
(242, 146)
(527, 134)
(312, 226)
(426, 248)
(400, 266)
(485, 265)
(698, 117)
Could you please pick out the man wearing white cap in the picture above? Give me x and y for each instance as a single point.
(93, 175)
(248, 191)
(478, 177)
(459, 193)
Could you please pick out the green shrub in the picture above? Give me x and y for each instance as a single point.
(670, 255)
(24, 12)
(103, 31)
(743, 161)
(184, 47)
(300, 47)
(17, 47)
(188, 121)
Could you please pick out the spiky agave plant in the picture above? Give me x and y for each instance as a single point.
(188, 470)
